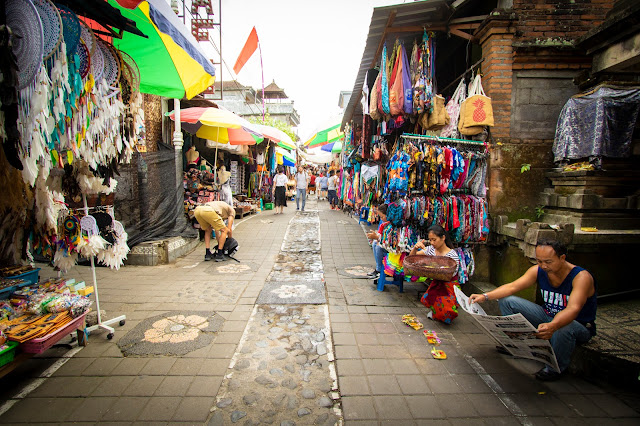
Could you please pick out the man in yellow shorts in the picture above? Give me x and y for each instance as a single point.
(212, 215)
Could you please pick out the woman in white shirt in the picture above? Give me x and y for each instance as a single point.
(279, 190)
(440, 296)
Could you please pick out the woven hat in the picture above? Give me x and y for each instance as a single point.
(223, 174)
(51, 26)
(28, 38)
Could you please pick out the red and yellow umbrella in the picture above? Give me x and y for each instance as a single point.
(219, 125)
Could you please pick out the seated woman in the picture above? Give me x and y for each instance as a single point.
(440, 297)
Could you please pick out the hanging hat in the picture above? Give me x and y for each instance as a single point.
(28, 38)
(223, 175)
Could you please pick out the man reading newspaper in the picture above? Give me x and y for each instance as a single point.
(568, 313)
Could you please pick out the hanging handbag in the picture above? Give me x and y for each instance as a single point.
(396, 90)
(476, 110)
(453, 108)
(374, 99)
(406, 82)
(439, 118)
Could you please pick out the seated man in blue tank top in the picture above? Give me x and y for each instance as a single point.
(568, 313)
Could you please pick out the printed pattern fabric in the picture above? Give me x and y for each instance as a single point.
(440, 299)
(600, 124)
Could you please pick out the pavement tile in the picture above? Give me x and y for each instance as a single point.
(488, 405)
(34, 410)
(158, 366)
(234, 326)
(442, 384)
(353, 385)
(458, 406)
(389, 340)
(349, 367)
(384, 385)
(376, 366)
(213, 367)
(160, 409)
(413, 384)
(143, 386)
(613, 406)
(101, 367)
(205, 386)
(582, 405)
(336, 318)
(193, 409)
(361, 327)
(174, 386)
(74, 366)
(222, 350)
(229, 337)
(67, 387)
(358, 408)
(367, 339)
(92, 408)
(130, 366)
(125, 409)
(404, 366)
(424, 407)
(113, 386)
(344, 339)
(185, 367)
(347, 352)
(471, 383)
(391, 408)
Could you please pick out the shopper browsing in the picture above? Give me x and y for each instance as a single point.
(331, 187)
(378, 251)
(210, 216)
(302, 181)
(322, 184)
(279, 194)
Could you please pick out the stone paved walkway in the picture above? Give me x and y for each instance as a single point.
(385, 374)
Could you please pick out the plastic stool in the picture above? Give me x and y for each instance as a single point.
(364, 213)
(395, 280)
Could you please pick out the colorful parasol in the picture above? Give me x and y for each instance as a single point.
(333, 147)
(171, 62)
(219, 125)
(325, 136)
(281, 138)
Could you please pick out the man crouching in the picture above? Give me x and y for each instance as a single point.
(568, 313)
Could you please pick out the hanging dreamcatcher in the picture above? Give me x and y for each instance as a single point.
(91, 242)
(66, 248)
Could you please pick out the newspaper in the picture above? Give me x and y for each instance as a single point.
(514, 332)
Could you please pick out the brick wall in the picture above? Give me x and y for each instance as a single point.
(565, 19)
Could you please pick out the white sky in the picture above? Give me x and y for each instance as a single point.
(311, 48)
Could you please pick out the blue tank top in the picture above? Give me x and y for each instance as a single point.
(556, 298)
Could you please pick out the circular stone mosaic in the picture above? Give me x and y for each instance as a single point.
(171, 333)
(231, 268)
(356, 271)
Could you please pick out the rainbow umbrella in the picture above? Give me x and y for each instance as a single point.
(219, 125)
(171, 62)
(333, 147)
(327, 133)
(281, 138)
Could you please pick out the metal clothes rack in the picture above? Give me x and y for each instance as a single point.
(413, 136)
(101, 324)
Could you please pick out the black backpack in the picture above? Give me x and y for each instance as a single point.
(230, 247)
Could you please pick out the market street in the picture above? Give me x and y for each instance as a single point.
(205, 343)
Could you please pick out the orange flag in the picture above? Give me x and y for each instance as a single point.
(249, 47)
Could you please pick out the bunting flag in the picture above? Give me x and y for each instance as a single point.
(249, 48)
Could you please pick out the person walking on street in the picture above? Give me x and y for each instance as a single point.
(331, 185)
(322, 184)
(212, 215)
(568, 313)
(302, 181)
(279, 190)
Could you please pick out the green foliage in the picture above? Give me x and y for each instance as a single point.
(274, 122)
(525, 168)
(539, 211)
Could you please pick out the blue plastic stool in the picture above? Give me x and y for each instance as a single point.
(364, 213)
(395, 280)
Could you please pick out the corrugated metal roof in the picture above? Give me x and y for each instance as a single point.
(415, 14)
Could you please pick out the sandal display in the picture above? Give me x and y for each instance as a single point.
(432, 337)
(438, 353)
(412, 321)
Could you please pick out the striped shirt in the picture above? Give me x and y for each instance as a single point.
(431, 251)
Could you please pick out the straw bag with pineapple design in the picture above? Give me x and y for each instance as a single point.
(476, 111)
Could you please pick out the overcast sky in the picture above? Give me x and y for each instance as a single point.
(312, 49)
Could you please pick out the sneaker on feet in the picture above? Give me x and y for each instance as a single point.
(373, 275)
(546, 375)
(219, 257)
(208, 256)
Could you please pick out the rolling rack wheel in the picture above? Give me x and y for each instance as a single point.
(122, 322)
(110, 336)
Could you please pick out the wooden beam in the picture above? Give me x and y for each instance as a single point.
(462, 34)
(478, 18)
(465, 26)
(392, 17)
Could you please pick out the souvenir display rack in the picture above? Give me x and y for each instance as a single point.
(100, 324)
